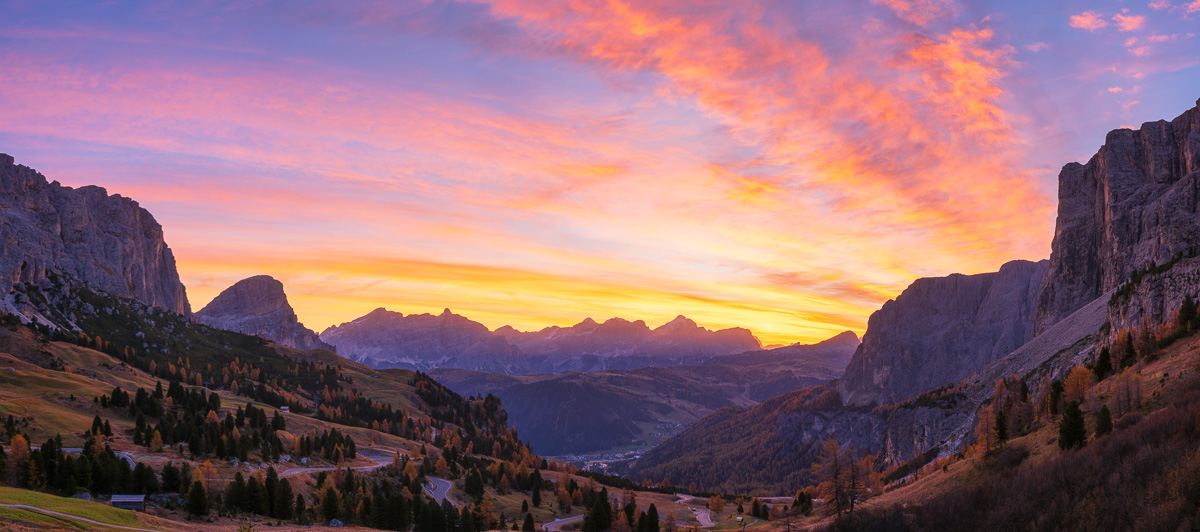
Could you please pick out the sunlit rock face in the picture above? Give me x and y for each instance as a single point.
(107, 241)
(1133, 205)
(259, 306)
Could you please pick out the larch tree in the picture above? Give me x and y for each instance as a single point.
(831, 472)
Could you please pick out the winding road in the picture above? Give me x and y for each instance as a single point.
(703, 515)
(301, 470)
(75, 517)
(439, 489)
(557, 524)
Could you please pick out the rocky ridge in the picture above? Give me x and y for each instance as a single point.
(258, 306)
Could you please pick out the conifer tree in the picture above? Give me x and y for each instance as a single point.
(1104, 422)
(528, 525)
(197, 500)
(1071, 430)
(1103, 364)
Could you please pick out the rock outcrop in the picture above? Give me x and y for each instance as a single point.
(941, 330)
(1133, 205)
(107, 241)
(259, 306)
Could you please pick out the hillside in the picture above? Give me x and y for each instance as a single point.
(574, 412)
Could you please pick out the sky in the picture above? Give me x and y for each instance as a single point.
(783, 166)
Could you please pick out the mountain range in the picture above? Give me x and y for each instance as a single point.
(386, 339)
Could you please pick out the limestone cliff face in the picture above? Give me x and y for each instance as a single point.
(1154, 298)
(1132, 205)
(941, 330)
(259, 306)
(107, 241)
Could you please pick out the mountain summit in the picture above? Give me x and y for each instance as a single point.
(258, 306)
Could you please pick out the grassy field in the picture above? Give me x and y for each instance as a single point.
(76, 507)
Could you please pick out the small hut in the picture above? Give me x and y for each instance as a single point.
(136, 503)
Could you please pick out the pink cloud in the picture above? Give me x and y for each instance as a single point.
(1131, 22)
(1036, 47)
(1089, 20)
(920, 12)
(1193, 7)
(1160, 4)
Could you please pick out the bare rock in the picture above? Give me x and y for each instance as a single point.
(107, 241)
(1133, 205)
(259, 306)
(941, 330)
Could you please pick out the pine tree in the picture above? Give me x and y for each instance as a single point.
(300, 510)
(329, 504)
(1071, 430)
(1103, 364)
(197, 500)
(651, 519)
(1104, 424)
(528, 525)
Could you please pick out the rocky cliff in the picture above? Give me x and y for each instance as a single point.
(259, 306)
(941, 330)
(1133, 205)
(107, 241)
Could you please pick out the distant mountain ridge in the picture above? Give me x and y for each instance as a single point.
(384, 338)
(258, 306)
